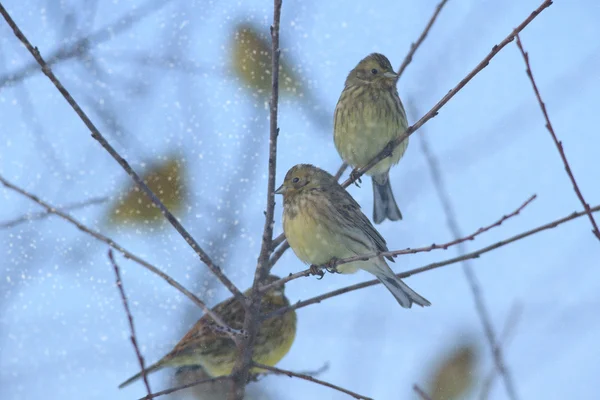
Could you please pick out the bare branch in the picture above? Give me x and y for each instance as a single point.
(252, 318)
(509, 326)
(309, 378)
(470, 275)
(122, 162)
(84, 45)
(396, 253)
(97, 235)
(187, 385)
(557, 142)
(43, 214)
(387, 151)
(340, 171)
(415, 45)
(468, 256)
(421, 392)
(133, 337)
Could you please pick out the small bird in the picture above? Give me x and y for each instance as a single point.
(207, 346)
(368, 115)
(323, 223)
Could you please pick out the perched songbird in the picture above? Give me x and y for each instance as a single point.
(368, 115)
(322, 222)
(208, 346)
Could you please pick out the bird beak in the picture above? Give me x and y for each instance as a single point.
(281, 190)
(390, 75)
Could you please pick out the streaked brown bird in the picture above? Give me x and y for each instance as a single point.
(368, 115)
(207, 346)
(322, 222)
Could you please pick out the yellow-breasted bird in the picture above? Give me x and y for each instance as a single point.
(368, 115)
(208, 346)
(322, 222)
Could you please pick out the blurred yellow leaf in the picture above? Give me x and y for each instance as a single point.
(251, 61)
(166, 180)
(454, 374)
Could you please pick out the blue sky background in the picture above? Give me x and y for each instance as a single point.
(63, 332)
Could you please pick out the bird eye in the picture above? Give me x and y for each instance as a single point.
(374, 71)
(296, 180)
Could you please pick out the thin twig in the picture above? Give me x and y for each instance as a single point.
(509, 327)
(415, 45)
(278, 253)
(468, 256)
(43, 214)
(97, 235)
(421, 392)
(133, 337)
(471, 277)
(387, 151)
(557, 142)
(340, 171)
(85, 44)
(187, 385)
(242, 366)
(309, 378)
(122, 162)
(396, 253)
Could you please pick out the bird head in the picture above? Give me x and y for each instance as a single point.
(302, 178)
(374, 69)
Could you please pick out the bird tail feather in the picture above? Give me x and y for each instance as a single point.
(384, 204)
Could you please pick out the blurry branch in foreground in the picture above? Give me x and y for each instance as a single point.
(97, 235)
(44, 214)
(557, 142)
(415, 45)
(509, 327)
(402, 275)
(215, 269)
(132, 337)
(85, 44)
(421, 392)
(471, 277)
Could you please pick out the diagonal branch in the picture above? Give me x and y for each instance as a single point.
(309, 378)
(415, 45)
(470, 276)
(396, 253)
(421, 392)
(402, 275)
(216, 270)
(252, 317)
(187, 385)
(43, 214)
(133, 337)
(97, 235)
(83, 45)
(557, 142)
(387, 151)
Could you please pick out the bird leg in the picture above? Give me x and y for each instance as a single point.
(331, 266)
(355, 176)
(316, 270)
